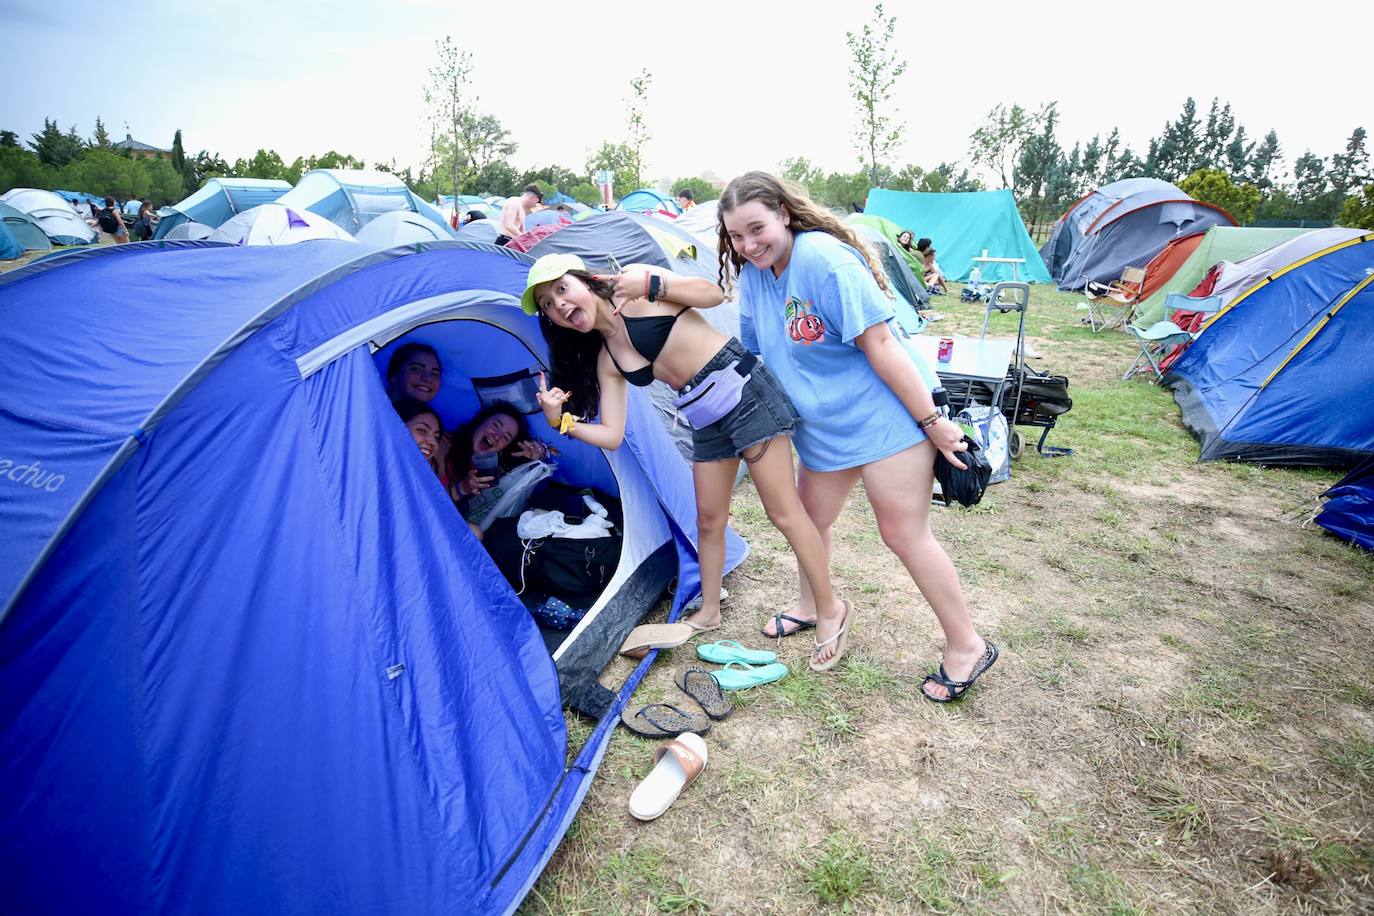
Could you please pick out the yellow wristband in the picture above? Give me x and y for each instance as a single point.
(566, 423)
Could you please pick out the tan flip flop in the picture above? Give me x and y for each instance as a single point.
(677, 765)
(841, 640)
(656, 636)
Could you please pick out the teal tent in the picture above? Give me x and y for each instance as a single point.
(961, 226)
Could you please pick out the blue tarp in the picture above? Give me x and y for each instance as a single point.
(256, 666)
(1349, 509)
(1282, 375)
(961, 227)
(218, 200)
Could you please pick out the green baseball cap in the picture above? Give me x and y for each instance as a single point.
(549, 267)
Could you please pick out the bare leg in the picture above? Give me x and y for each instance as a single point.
(823, 494)
(714, 482)
(770, 467)
(899, 489)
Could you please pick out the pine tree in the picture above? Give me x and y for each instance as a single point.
(1310, 177)
(1263, 161)
(1351, 168)
(1216, 138)
(100, 137)
(1238, 154)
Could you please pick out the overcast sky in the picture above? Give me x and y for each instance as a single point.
(736, 85)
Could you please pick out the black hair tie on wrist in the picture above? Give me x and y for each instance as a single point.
(654, 284)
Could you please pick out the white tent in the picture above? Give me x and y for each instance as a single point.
(400, 227)
(274, 224)
(53, 215)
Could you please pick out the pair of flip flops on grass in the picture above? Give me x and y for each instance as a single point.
(840, 638)
(666, 720)
(743, 667)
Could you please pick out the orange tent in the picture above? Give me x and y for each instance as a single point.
(1163, 265)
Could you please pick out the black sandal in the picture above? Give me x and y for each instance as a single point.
(779, 632)
(958, 688)
(698, 684)
(663, 720)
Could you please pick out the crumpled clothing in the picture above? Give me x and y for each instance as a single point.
(550, 523)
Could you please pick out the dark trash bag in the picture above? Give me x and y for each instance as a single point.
(965, 487)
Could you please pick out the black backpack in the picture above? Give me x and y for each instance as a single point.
(575, 570)
(107, 221)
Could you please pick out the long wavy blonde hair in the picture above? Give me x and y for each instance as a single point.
(782, 196)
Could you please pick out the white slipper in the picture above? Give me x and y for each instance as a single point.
(679, 763)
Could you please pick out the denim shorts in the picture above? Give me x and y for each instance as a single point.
(763, 413)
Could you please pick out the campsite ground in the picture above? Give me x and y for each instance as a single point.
(1182, 718)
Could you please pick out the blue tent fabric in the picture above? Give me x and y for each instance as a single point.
(218, 200)
(961, 226)
(1281, 375)
(9, 245)
(351, 198)
(646, 200)
(279, 679)
(26, 233)
(1349, 509)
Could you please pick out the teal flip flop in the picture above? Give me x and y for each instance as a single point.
(739, 676)
(727, 650)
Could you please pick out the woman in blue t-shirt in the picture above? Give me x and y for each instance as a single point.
(814, 304)
(641, 326)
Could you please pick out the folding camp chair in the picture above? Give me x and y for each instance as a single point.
(1158, 337)
(1110, 305)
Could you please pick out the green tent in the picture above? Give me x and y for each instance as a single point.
(1220, 243)
(890, 230)
(963, 226)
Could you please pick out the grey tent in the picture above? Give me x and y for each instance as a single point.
(400, 227)
(189, 230)
(25, 231)
(1123, 224)
(903, 282)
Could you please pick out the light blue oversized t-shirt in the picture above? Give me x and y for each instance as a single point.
(804, 324)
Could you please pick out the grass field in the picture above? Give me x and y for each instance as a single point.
(1182, 719)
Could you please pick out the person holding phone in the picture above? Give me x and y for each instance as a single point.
(494, 441)
(640, 325)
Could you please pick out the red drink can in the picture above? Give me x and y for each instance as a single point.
(946, 351)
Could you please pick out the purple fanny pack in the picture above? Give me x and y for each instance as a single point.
(717, 394)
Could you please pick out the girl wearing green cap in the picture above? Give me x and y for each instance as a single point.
(639, 326)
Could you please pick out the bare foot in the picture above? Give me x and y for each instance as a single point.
(958, 666)
(827, 628)
(703, 620)
(770, 629)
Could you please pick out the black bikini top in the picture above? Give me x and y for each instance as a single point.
(647, 335)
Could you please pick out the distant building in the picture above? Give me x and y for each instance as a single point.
(142, 150)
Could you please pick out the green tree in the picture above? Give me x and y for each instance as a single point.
(874, 70)
(182, 165)
(165, 184)
(103, 172)
(1309, 176)
(1215, 187)
(702, 190)
(584, 192)
(1176, 152)
(1358, 210)
(55, 148)
(8, 138)
(1216, 137)
(1350, 169)
(801, 172)
(1238, 155)
(266, 163)
(100, 137)
(619, 159)
(20, 168)
(463, 141)
(638, 134)
(495, 178)
(1041, 159)
(203, 167)
(997, 144)
(1263, 161)
(555, 176)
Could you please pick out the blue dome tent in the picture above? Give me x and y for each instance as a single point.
(351, 198)
(1282, 374)
(25, 232)
(218, 200)
(250, 659)
(646, 200)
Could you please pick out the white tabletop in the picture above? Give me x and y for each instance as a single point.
(987, 260)
(983, 359)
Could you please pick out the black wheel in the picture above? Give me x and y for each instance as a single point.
(1016, 443)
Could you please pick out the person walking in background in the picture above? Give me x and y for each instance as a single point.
(815, 305)
(515, 210)
(112, 222)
